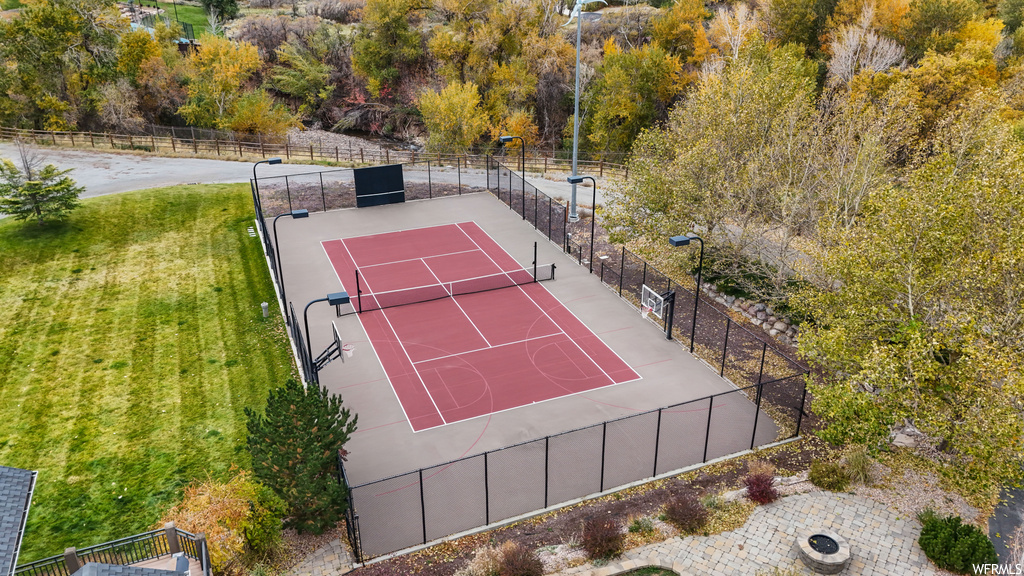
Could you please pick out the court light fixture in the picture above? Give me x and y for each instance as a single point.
(303, 213)
(578, 179)
(577, 13)
(677, 241)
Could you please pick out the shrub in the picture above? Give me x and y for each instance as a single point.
(641, 525)
(486, 562)
(686, 511)
(953, 545)
(858, 465)
(340, 11)
(239, 517)
(517, 560)
(829, 476)
(712, 501)
(761, 487)
(602, 538)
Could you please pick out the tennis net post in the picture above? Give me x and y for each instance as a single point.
(359, 292)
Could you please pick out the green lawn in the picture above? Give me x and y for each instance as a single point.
(10, 4)
(194, 15)
(132, 338)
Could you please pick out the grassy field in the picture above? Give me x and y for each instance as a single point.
(10, 4)
(194, 15)
(132, 339)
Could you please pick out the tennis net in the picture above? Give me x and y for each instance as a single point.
(510, 279)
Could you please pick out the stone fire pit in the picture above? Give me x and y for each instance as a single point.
(823, 551)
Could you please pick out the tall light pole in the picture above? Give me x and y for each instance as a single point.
(277, 252)
(577, 12)
(255, 181)
(574, 180)
(522, 156)
(683, 241)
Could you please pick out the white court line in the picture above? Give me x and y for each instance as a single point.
(406, 352)
(419, 258)
(571, 339)
(369, 339)
(452, 297)
(490, 347)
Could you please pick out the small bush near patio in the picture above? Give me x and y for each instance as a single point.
(602, 538)
(953, 545)
(858, 466)
(687, 512)
(760, 483)
(828, 476)
(517, 560)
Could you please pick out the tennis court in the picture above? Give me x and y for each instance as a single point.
(464, 330)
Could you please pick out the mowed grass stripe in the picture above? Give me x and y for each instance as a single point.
(134, 340)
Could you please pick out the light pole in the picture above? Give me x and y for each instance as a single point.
(577, 12)
(522, 156)
(277, 251)
(574, 180)
(256, 182)
(683, 241)
(334, 299)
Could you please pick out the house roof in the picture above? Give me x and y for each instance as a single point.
(16, 487)
(96, 569)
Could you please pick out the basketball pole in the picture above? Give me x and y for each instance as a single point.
(670, 298)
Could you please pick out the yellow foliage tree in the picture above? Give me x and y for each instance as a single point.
(215, 75)
(135, 48)
(680, 31)
(453, 116)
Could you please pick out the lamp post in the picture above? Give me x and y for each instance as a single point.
(277, 250)
(255, 181)
(577, 12)
(574, 180)
(522, 156)
(683, 241)
(334, 299)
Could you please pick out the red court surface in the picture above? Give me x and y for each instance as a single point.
(459, 357)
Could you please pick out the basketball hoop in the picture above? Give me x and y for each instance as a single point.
(645, 311)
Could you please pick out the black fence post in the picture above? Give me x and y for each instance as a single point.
(707, 431)
(487, 494)
(725, 349)
(622, 269)
(423, 508)
(323, 196)
(757, 412)
(458, 170)
(288, 189)
(604, 437)
(760, 372)
(487, 170)
(800, 414)
(430, 187)
(547, 440)
(657, 440)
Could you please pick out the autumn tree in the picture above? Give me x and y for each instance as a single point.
(680, 31)
(634, 88)
(453, 116)
(56, 53)
(919, 313)
(734, 162)
(256, 112)
(134, 48)
(386, 43)
(793, 21)
(295, 445)
(935, 25)
(215, 75)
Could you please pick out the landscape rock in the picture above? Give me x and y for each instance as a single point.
(761, 316)
(904, 441)
(780, 326)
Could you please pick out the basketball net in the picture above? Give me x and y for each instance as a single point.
(646, 311)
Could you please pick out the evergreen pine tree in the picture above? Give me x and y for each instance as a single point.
(295, 445)
(47, 193)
